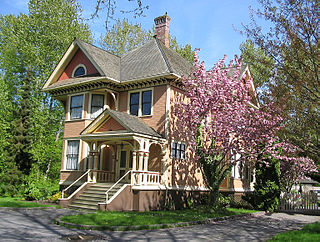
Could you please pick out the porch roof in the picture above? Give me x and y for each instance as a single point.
(131, 123)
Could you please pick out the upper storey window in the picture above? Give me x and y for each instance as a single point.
(76, 106)
(140, 103)
(97, 104)
(80, 70)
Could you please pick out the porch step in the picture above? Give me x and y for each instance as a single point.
(95, 194)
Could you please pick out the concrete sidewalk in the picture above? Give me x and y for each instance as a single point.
(36, 225)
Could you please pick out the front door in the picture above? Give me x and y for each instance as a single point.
(125, 162)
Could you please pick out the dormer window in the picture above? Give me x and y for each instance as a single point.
(80, 70)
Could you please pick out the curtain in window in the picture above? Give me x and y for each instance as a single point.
(73, 154)
(97, 103)
(76, 107)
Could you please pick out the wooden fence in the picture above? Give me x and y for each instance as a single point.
(304, 202)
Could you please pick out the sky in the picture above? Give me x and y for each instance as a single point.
(211, 25)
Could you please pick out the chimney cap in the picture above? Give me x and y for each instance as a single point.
(162, 19)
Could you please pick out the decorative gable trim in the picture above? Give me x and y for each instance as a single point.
(65, 60)
(103, 118)
(109, 125)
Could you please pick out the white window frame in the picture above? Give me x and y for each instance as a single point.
(140, 91)
(69, 106)
(185, 150)
(80, 65)
(90, 101)
(66, 153)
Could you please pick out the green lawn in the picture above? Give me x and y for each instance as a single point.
(14, 202)
(106, 219)
(309, 232)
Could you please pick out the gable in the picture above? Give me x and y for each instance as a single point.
(78, 58)
(109, 125)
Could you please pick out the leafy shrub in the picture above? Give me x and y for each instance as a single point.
(39, 188)
(240, 204)
(223, 201)
(55, 197)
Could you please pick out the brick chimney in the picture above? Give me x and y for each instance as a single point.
(162, 29)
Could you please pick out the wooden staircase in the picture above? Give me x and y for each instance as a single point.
(95, 194)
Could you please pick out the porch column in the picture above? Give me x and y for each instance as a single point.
(94, 154)
(145, 163)
(140, 165)
(134, 160)
(140, 160)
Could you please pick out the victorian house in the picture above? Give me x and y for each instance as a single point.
(120, 151)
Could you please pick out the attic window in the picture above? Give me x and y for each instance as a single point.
(80, 70)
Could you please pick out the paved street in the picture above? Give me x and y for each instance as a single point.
(36, 225)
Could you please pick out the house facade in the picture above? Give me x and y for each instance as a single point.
(120, 148)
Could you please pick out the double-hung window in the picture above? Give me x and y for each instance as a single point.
(76, 105)
(73, 154)
(134, 103)
(178, 150)
(141, 103)
(97, 104)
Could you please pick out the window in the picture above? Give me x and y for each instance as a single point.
(73, 154)
(79, 71)
(178, 150)
(140, 103)
(146, 102)
(97, 103)
(76, 105)
(134, 103)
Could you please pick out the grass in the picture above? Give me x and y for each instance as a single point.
(15, 202)
(107, 219)
(309, 232)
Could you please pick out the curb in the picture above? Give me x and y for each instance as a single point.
(152, 226)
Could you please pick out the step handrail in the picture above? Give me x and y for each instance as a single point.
(64, 190)
(107, 195)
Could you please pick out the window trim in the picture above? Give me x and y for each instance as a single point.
(69, 106)
(140, 91)
(66, 141)
(176, 143)
(80, 65)
(90, 102)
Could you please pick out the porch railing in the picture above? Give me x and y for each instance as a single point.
(138, 178)
(145, 178)
(87, 173)
(105, 176)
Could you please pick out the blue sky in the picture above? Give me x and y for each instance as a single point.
(206, 24)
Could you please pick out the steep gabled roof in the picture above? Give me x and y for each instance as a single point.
(131, 123)
(153, 59)
(108, 63)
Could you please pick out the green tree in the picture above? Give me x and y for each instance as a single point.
(267, 188)
(261, 66)
(31, 45)
(293, 46)
(124, 36)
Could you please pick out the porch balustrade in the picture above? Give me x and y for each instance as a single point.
(145, 178)
(105, 176)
